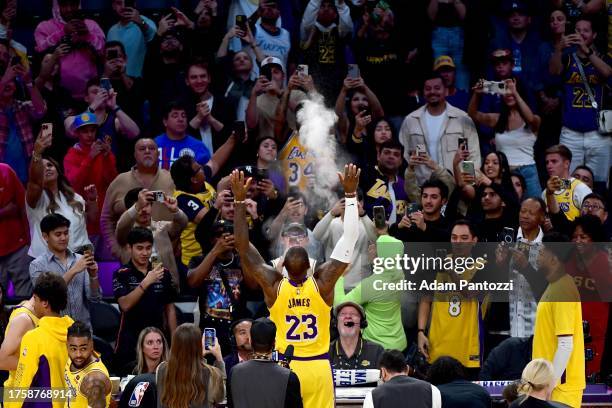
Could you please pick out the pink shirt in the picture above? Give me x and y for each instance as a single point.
(79, 66)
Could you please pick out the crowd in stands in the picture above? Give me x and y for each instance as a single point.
(472, 121)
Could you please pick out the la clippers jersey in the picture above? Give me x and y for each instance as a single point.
(74, 379)
(19, 310)
(297, 162)
(302, 318)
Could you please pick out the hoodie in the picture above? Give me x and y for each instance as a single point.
(42, 358)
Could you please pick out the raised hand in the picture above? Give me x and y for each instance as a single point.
(350, 179)
(240, 186)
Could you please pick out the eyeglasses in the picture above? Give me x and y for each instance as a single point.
(590, 207)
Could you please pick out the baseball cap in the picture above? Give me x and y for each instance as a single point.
(84, 119)
(272, 61)
(443, 61)
(518, 6)
(502, 54)
(294, 227)
(263, 331)
(140, 391)
(353, 304)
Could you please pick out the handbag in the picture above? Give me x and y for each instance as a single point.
(604, 116)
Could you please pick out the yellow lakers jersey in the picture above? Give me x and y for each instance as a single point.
(565, 199)
(189, 246)
(302, 318)
(74, 379)
(19, 310)
(297, 163)
(455, 320)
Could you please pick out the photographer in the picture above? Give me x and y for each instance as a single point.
(80, 41)
(134, 31)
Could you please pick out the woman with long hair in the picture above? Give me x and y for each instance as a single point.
(537, 383)
(151, 350)
(47, 192)
(185, 380)
(516, 128)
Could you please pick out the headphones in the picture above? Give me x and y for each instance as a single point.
(232, 338)
(363, 323)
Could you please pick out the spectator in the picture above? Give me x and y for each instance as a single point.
(398, 386)
(438, 173)
(43, 353)
(329, 230)
(448, 374)
(82, 40)
(239, 85)
(7, 21)
(325, 31)
(151, 351)
(437, 127)
(145, 295)
(357, 107)
(507, 360)
(537, 382)
(209, 26)
(446, 68)
(518, 182)
(59, 259)
(145, 174)
(220, 282)
(516, 128)
(563, 193)
(558, 334)
(13, 246)
(577, 10)
(350, 351)
(383, 309)
(85, 372)
(48, 191)
(579, 115)
(23, 318)
(447, 36)
(428, 225)
(493, 210)
(242, 350)
(271, 181)
(175, 142)
(454, 317)
(383, 184)
(90, 162)
(594, 204)
(21, 107)
(277, 386)
(134, 31)
(295, 234)
(203, 384)
(140, 203)
(584, 174)
(112, 121)
(272, 40)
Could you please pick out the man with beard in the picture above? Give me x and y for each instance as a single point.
(273, 41)
(145, 174)
(493, 211)
(436, 129)
(240, 337)
(350, 351)
(86, 376)
(383, 184)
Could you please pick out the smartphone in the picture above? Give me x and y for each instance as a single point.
(47, 129)
(155, 261)
(421, 150)
(267, 72)
(159, 196)
(262, 174)
(67, 40)
(412, 208)
(106, 84)
(467, 167)
(239, 129)
(275, 355)
(353, 71)
(228, 228)
(566, 184)
(494, 87)
(209, 337)
(129, 3)
(462, 143)
(112, 54)
(380, 219)
(302, 70)
(507, 235)
(87, 249)
(241, 22)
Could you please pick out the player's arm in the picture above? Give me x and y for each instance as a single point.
(253, 264)
(422, 319)
(95, 387)
(9, 351)
(328, 274)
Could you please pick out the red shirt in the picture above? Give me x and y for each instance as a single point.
(14, 225)
(81, 171)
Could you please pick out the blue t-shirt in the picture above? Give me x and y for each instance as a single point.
(578, 113)
(135, 43)
(461, 99)
(14, 155)
(171, 150)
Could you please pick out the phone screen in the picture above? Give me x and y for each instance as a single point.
(209, 338)
(106, 84)
(379, 216)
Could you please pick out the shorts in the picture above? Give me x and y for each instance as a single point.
(316, 382)
(573, 398)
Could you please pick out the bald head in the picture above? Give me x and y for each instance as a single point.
(145, 153)
(296, 262)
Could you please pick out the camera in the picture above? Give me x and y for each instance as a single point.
(507, 236)
(462, 143)
(494, 87)
(159, 196)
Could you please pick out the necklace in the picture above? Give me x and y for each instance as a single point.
(229, 263)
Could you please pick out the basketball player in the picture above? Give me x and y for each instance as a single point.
(86, 376)
(22, 320)
(300, 305)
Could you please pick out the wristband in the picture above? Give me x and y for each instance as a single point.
(239, 202)
(117, 109)
(350, 195)
(421, 330)
(142, 287)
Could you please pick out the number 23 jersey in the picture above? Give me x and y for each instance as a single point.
(302, 318)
